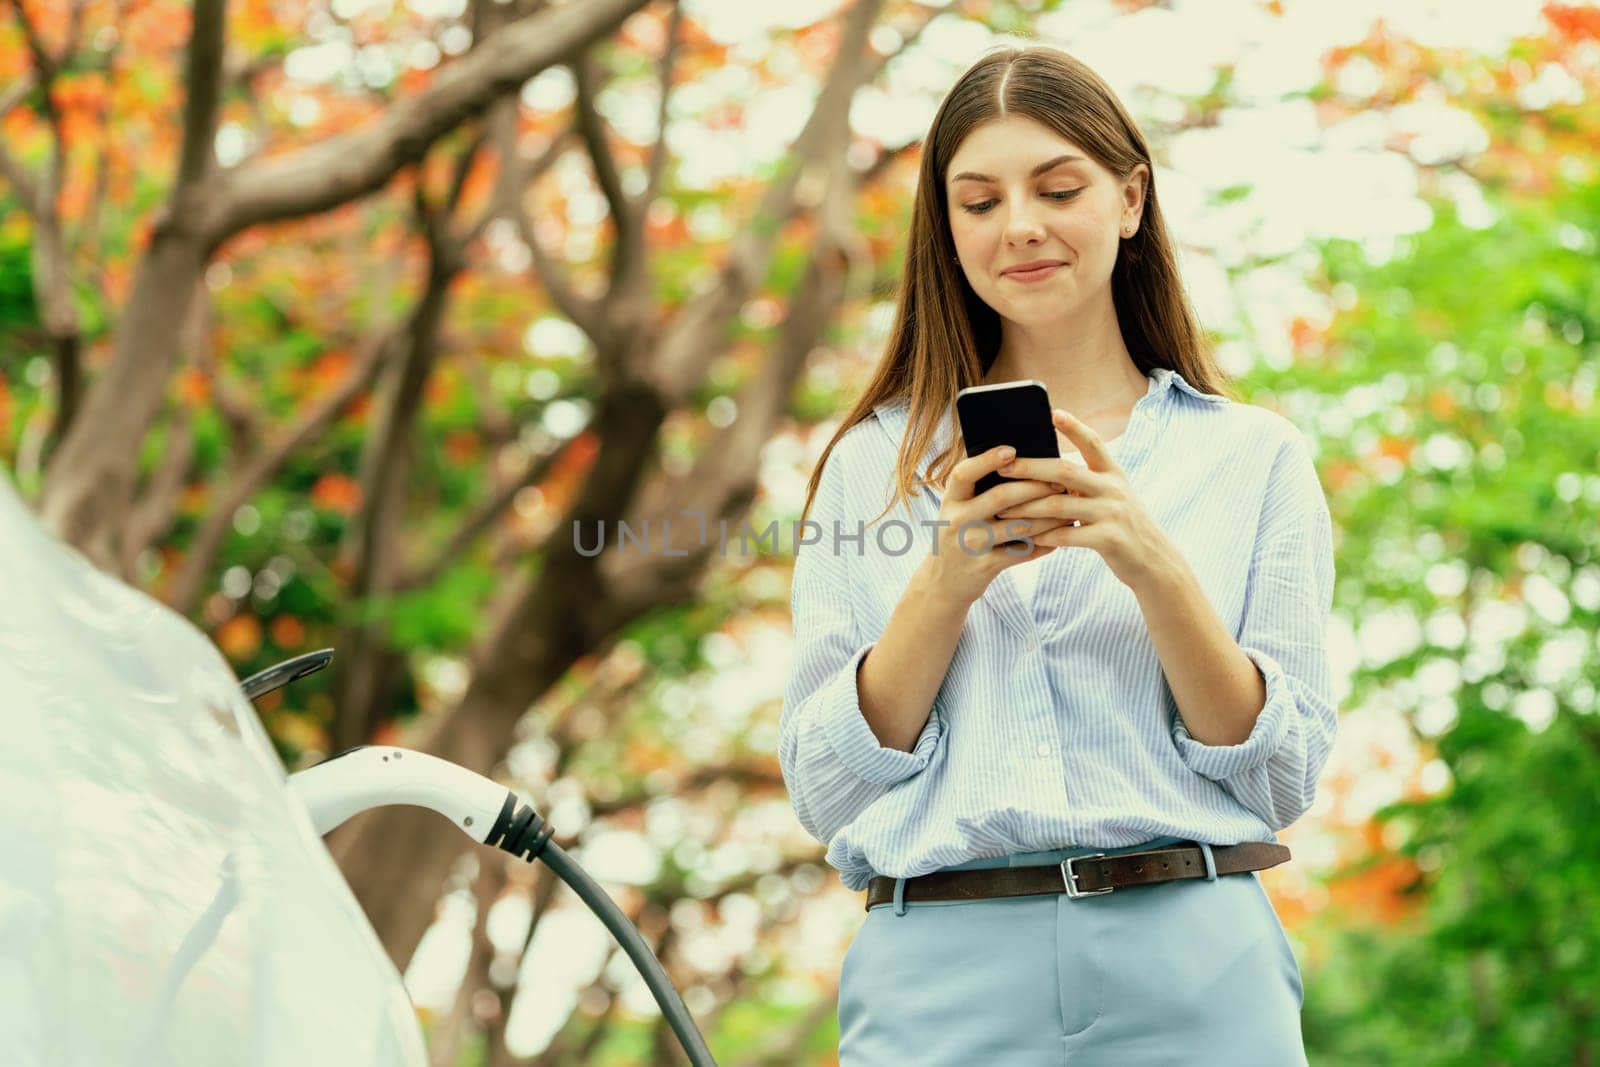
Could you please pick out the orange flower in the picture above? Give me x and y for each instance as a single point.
(1341, 474)
(388, 733)
(1573, 22)
(1396, 447)
(330, 369)
(336, 492)
(1303, 335)
(437, 391)
(240, 637)
(193, 386)
(461, 447)
(288, 632)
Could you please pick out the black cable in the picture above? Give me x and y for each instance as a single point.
(520, 831)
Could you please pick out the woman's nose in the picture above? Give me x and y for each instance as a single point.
(1022, 223)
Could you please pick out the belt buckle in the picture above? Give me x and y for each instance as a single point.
(1070, 877)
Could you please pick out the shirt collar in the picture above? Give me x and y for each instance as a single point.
(895, 414)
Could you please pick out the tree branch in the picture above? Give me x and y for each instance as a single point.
(344, 167)
(202, 81)
(722, 481)
(488, 512)
(18, 91)
(583, 312)
(14, 172)
(91, 236)
(154, 511)
(669, 62)
(694, 343)
(244, 422)
(246, 482)
(458, 179)
(593, 129)
(45, 65)
(364, 687)
(385, 458)
(10, 167)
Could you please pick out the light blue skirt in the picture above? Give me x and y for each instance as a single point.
(1193, 971)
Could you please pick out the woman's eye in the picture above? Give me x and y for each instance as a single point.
(982, 206)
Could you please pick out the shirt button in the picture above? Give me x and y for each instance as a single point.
(1044, 748)
(1031, 645)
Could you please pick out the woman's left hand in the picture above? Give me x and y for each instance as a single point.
(1111, 519)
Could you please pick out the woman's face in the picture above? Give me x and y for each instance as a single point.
(1074, 213)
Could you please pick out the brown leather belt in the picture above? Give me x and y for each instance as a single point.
(1081, 876)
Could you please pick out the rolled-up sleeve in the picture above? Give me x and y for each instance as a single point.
(1288, 598)
(832, 762)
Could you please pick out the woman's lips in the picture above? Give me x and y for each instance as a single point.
(1033, 275)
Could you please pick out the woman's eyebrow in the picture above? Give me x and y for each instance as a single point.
(1048, 164)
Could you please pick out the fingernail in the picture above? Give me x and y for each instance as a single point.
(1007, 453)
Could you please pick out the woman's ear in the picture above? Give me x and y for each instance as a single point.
(1133, 191)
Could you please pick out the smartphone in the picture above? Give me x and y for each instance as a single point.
(1007, 413)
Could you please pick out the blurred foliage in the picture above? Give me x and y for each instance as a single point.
(1461, 447)
(18, 310)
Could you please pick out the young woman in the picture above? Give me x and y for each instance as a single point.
(1052, 728)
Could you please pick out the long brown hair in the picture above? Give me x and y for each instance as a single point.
(945, 337)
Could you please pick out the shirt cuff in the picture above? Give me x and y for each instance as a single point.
(854, 742)
(1266, 737)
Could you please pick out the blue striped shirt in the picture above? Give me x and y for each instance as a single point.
(1054, 725)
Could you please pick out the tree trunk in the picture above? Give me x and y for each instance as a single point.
(66, 352)
(89, 479)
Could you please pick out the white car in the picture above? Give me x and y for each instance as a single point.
(165, 895)
(164, 899)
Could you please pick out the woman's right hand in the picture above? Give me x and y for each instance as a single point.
(971, 547)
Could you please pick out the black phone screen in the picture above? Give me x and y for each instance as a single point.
(1007, 413)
